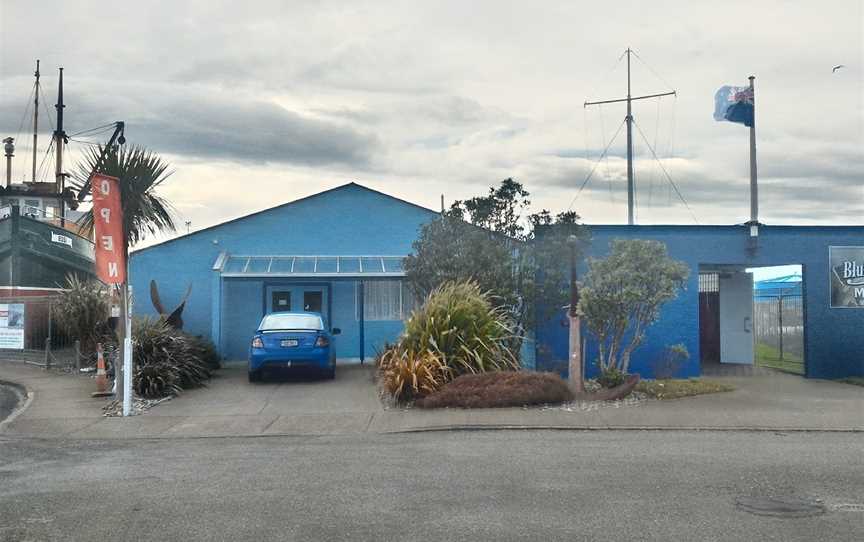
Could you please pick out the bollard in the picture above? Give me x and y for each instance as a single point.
(47, 353)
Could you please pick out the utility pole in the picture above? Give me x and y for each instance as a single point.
(575, 366)
(35, 121)
(631, 188)
(59, 141)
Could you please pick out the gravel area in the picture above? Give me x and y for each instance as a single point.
(139, 406)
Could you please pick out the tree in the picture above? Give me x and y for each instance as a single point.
(622, 295)
(82, 310)
(492, 241)
(140, 172)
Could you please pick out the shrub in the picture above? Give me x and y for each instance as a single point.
(82, 310)
(459, 324)
(167, 360)
(408, 375)
(611, 377)
(456, 331)
(499, 389)
(206, 351)
(670, 361)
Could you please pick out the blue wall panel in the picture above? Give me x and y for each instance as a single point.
(241, 315)
(834, 344)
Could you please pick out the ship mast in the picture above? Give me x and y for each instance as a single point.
(35, 121)
(59, 140)
(631, 188)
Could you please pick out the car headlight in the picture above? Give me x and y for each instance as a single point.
(257, 343)
(322, 341)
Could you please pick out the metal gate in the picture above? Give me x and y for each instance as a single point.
(44, 342)
(779, 330)
(709, 317)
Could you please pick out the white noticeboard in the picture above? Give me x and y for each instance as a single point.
(12, 326)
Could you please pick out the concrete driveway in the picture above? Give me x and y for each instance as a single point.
(230, 393)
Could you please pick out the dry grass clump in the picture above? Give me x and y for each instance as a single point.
(499, 389)
(675, 389)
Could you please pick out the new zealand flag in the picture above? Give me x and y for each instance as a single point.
(734, 104)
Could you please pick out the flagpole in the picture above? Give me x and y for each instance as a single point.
(754, 188)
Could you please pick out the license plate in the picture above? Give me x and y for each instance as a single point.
(286, 343)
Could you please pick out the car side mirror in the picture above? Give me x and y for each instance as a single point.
(335, 331)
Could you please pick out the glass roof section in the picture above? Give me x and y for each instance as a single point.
(311, 266)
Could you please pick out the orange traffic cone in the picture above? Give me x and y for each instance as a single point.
(101, 376)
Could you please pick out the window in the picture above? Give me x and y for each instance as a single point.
(276, 322)
(385, 300)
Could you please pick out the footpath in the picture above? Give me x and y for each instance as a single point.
(59, 406)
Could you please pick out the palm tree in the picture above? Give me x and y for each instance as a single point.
(140, 172)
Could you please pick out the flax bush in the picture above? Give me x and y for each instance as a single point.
(456, 331)
(167, 360)
(82, 311)
(459, 323)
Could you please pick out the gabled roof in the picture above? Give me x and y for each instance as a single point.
(288, 204)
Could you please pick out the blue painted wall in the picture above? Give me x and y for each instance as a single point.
(348, 220)
(833, 341)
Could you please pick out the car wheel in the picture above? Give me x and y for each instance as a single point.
(330, 373)
(254, 376)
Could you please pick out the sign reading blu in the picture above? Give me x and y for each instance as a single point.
(847, 277)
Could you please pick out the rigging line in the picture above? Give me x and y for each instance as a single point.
(653, 168)
(84, 141)
(671, 145)
(657, 75)
(684, 201)
(602, 79)
(26, 109)
(608, 175)
(44, 158)
(588, 178)
(23, 163)
(44, 102)
(103, 128)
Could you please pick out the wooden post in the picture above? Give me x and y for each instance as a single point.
(47, 353)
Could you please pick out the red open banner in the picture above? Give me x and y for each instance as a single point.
(108, 226)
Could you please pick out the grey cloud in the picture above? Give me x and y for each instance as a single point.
(211, 124)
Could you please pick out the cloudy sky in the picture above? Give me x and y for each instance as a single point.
(257, 103)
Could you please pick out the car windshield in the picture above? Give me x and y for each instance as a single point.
(291, 321)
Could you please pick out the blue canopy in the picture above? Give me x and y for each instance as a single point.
(777, 286)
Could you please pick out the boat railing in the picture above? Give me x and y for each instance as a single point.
(35, 213)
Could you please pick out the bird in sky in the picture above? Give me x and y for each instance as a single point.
(837, 67)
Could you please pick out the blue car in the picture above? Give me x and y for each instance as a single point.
(292, 340)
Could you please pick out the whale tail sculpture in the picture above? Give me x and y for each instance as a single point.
(175, 317)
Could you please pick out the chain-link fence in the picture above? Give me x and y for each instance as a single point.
(31, 334)
(780, 326)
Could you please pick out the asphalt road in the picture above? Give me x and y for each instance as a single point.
(505, 485)
(9, 399)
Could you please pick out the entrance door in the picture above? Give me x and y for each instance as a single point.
(298, 299)
(312, 301)
(709, 326)
(736, 318)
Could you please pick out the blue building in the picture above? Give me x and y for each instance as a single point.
(338, 252)
(713, 317)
